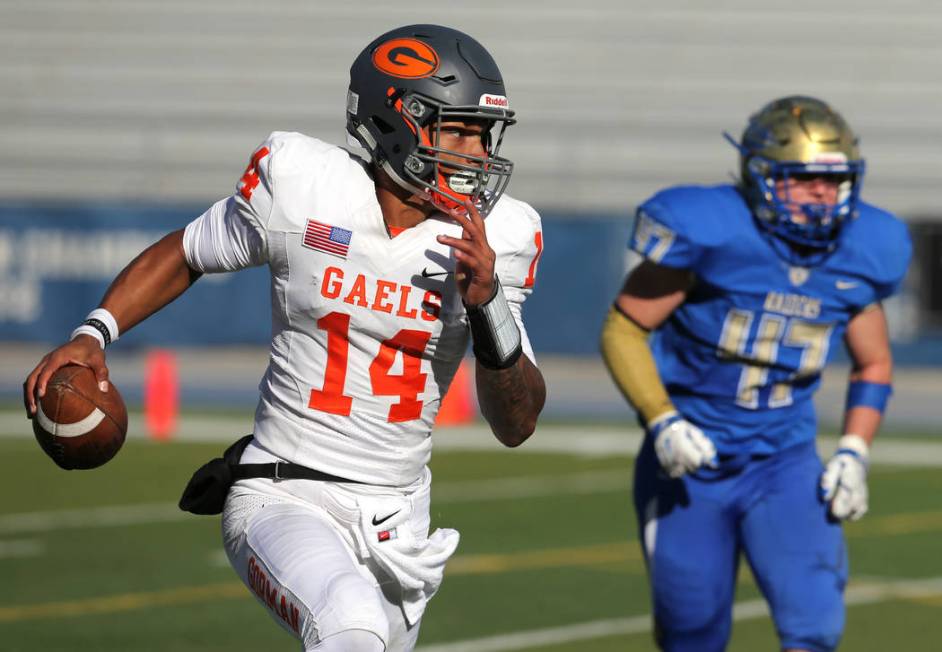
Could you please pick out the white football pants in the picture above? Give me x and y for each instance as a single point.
(301, 548)
(294, 560)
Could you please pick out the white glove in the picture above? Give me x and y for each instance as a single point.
(844, 481)
(681, 447)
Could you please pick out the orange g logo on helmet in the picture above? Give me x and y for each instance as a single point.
(407, 58)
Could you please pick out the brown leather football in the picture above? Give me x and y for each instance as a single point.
(78, 425)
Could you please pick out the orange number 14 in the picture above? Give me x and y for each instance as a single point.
(407, 385)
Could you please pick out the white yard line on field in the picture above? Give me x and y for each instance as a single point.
(592, 441)
(111, 516)
(862, 591)
(563, 484)
(857, 594)
(443, 492)
(18, 548)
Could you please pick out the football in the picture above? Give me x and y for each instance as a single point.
(78, 425)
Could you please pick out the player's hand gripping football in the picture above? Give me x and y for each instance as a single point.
(844, 482)
(84, 350)
(681, 447)
(474, 270)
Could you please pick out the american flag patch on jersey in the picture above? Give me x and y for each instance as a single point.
(327, 238)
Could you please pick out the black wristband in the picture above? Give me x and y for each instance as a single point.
(496, 340)
(99, 326)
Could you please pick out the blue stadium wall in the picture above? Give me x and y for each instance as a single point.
(57, 260)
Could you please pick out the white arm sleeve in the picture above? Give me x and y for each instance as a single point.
(223, 239)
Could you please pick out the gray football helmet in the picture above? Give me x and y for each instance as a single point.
(403, 85)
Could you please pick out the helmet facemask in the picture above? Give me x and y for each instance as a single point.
(822, 222)
(449, 178)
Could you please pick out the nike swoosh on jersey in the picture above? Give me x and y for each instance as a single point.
(385, 518)
(428, 274)
(845, 285)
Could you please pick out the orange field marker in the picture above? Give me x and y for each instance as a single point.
(459, 405)
(161, 394)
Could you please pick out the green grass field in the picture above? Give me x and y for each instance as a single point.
(548, 541)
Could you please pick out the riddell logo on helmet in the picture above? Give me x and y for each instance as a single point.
(829, 157)
(493, 100)
(406, 58)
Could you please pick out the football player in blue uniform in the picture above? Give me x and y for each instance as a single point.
(748, 288)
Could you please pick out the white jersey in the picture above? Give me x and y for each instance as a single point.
(367, 330)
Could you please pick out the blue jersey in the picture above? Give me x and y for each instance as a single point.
(742, 356)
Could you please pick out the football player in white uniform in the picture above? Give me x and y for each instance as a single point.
(381, 272)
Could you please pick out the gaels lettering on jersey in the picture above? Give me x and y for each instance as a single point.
(380, 295)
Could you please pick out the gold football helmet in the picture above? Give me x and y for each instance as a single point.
(799, 137)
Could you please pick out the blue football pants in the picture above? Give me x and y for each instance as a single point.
(694, 528)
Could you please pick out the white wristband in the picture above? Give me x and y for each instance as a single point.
(101, 325)
(84, 329)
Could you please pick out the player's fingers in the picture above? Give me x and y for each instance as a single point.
(836, 507)
(826, 489)
(458, 214)
(849, 507)
(829, 480)
(42, 379)
(707, 451)
(845, 502)
(29, 402)
(470, 219)
(97, 364)
(663, 450)
(466, 246)
(476, 230)
(474, 215)
(29, 387)
(674, 468)
(698, 449)
(53, 363)
(857, 502)
(468, 232)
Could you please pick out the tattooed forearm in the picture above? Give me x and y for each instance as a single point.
(511, 399)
